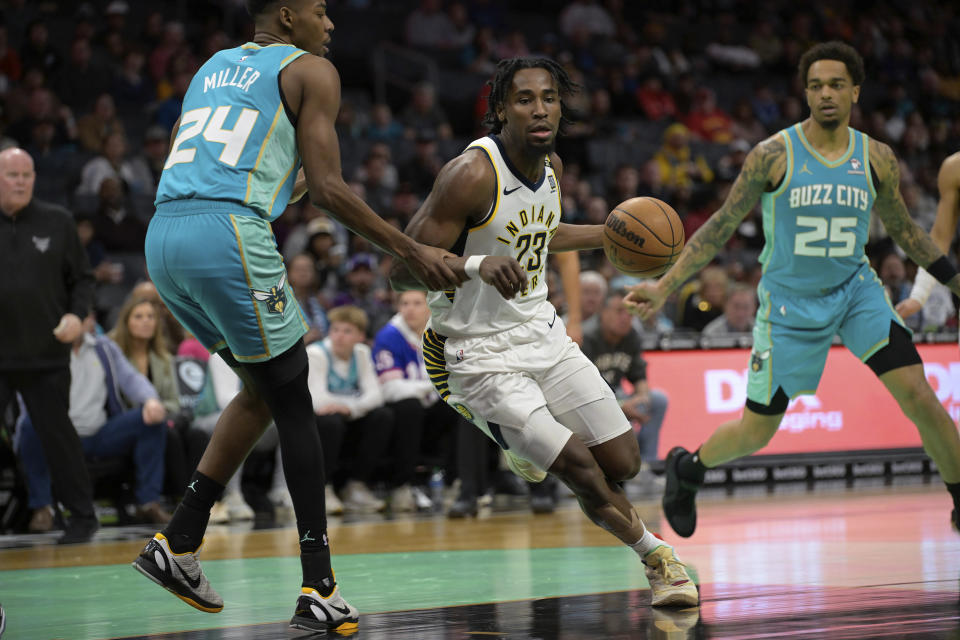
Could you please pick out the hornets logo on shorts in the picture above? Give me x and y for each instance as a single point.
(275, 299)
(757, 359)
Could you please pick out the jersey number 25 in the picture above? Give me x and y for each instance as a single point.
(842, 237)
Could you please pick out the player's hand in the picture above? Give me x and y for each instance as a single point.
(69, 329)
(908, 307)
(427, 265)
(334, 409)
(645, 299)
(504, 273)
(153, 411)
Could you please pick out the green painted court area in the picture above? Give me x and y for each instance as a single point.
(115, 601)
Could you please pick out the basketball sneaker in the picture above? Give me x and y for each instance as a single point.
(670, 585)
(679, 496)
(178, 573)
(316, 613)
(524, 468)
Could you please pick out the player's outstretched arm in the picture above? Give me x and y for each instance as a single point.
(463, 192)
(892, 210)
(944, 228)
(763, 167)
(313, 84)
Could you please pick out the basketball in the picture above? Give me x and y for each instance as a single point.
(643, 237)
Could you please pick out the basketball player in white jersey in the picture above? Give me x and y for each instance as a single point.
(943, 232)
(495, 348)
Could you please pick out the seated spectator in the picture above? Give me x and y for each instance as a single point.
(365, 288)
(738, 313)
(656, 102)
(420, 417)
(94, 128)
(423, 112)
(893, 274)
(140, 337)
(378, 175)
(117, 225)
(132, 87)
(745, 125)
(703, 299)
(173, 333)
(382, 127)
(302, 276)
(428, 26)
(422, 168)
(112, 163)
(351, 417)
(708, 121)
(615, 347)
(679, 167)
(593, 292)
(327, 255)
(115, 410)
(81, 79)
(37, 52)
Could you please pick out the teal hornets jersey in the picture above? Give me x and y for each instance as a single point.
(235, 141)
(816, 222)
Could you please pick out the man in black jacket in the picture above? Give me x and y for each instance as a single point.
(47, 289)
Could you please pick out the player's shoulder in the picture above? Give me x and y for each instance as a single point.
(311, 68)
(951, 166)
(471, 171)
(767, 161)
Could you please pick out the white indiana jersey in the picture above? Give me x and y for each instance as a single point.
(522, 220)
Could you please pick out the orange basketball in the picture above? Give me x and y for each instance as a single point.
(643, 237)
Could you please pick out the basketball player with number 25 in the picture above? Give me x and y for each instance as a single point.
(495, 348)
(817, 181)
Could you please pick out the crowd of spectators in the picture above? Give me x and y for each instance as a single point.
(673, 96)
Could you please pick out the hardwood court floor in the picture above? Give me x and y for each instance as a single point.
(872, 561)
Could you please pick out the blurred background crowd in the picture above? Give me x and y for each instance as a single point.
(674, 94)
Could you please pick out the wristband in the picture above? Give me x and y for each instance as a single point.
(942, 270)
(472, 266)
(922, 286)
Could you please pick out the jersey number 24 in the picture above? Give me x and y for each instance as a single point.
(196, 120)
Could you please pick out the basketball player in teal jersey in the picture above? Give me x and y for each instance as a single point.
(495, 348)
(250, 116)
(818, 181)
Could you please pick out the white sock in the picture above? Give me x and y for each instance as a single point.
(647, 543)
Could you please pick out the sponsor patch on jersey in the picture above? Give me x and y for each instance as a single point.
(856, 167)
(553, 184)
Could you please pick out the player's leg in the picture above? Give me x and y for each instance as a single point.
(604, 502)
(874, 332)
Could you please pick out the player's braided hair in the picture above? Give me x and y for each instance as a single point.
(500, 86)
(833, 50)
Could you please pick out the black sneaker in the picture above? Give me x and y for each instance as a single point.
(79, 530)
(679, 496)
(463, 507)
(316, 613)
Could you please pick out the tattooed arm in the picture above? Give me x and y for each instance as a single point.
(763, 168)
(892, 211)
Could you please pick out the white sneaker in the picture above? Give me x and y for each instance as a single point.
(402, 500)
(219, 513)
(422, 500)
(334, 506)
(670, 584)
(237, 506)
(280, 497)
(524, 468)
(358, 498)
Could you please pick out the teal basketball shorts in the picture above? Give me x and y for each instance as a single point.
(217, 268)
(793, 333)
